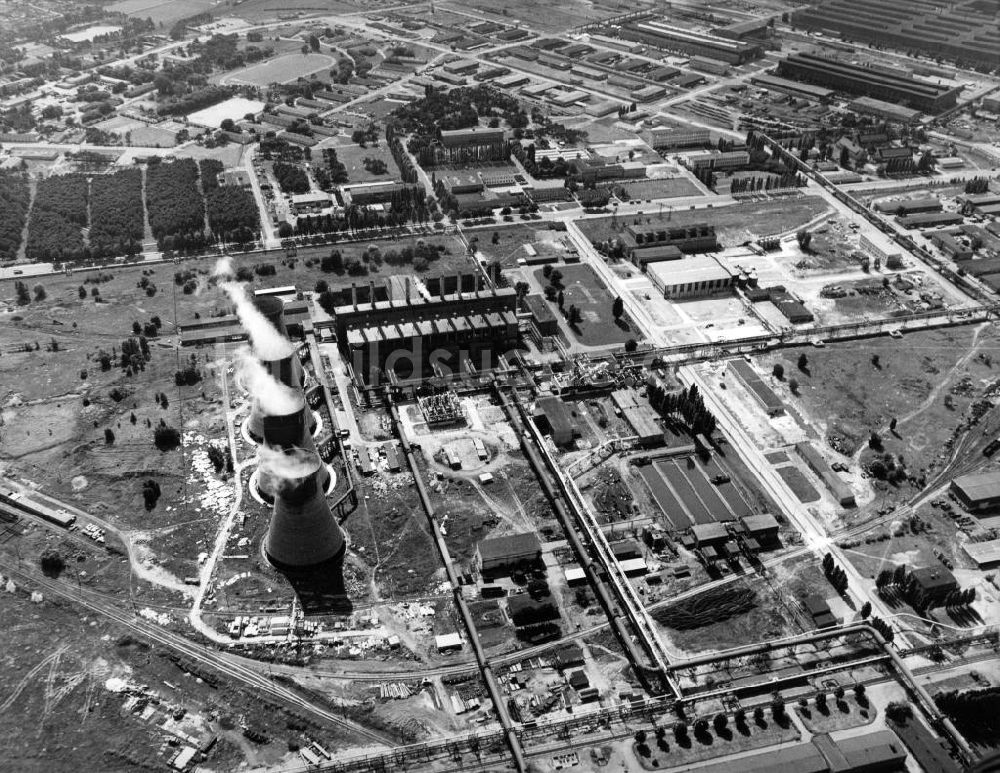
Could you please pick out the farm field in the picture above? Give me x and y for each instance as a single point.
(162, 11)
(282, 69)
(585, 290)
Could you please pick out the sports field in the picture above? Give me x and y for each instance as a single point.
(281, 69)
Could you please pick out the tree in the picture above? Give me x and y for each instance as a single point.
(899, 712)
(23, 295)
(166, 438)
(778, 371)
(618, 307)
(150, 493)
(793, 386)
(778, 707)
(839, 693)
(866, 610)
(109, 437)
(803, 362)
(720, 722)
(52, 562)
(758, 715)
(680, 732)
(631, 345)
(82, 292)
(876, 362)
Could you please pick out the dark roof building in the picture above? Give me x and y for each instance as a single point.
(499, 554)
(891, 86)
(555, 417)
(766, 396)
(841, 491)
(659, 33)
(978, 492)
(930, 219)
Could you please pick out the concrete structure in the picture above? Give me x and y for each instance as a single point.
(888, 85)
(772, 82)
(477, 135)
(643, 256)
(500, 555)
(732, 159)
(979, 491)
(841, 491)
(763, 528)
(668, 37)
(693, 277)
(820, 612)
(883, 109)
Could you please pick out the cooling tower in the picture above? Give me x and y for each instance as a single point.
(303, 531)
(287, 371)
(274, 310)
(287, 433)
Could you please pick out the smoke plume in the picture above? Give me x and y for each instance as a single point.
(268, 343)
(274, 398)
(288, 465)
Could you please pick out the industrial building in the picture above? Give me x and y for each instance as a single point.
(501, 555)
(840, 489)
(643, 256)
(929, 586)
(909, 206)
(979, 491)
(731, 159)
(882, 109)
(794, 88)
(820, 612)
(751, 379)
(555, 417)
(641, 417)
(669, 138)
(891, 86)
(691, 239)
(967, 34)
(477, 135)
(694, 277)
(228, 328)
(930, 219)
(660, 34)
(762, 528)
(399, 325)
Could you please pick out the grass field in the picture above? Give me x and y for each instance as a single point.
(162, 11)
(798, 483)
(668, 187)
(282, 69)
(585, 290)
(734, 224)
(353, 158)
(848, 396)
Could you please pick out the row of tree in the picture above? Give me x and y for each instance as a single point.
(15, 196)
(834, 573)
(117, 218)
(173, 201)
(58, 214)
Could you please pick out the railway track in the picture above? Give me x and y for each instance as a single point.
(225, 665)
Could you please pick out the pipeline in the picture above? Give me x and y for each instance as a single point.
(492, 686)
(591, 568)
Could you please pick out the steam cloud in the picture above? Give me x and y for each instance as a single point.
(268, 343)
(274, 398)
(287, 465)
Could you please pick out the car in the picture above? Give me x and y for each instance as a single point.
(895, 334)
(819, 343)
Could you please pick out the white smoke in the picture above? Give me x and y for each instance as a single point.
(224, 268)
(287, 465)
(275, 398)
(268, 343)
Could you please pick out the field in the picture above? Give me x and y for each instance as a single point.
(162, 11)
(666, 188)
(798, 483)
(511, 240)
(734, 224)
(234, 108)
(585, 290)
(282, 69)
(353, 158)
(549, 17)
(928, 382)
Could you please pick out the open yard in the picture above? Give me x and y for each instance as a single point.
(353, 158)
(585, 290)
(665, 188)
(734, 224)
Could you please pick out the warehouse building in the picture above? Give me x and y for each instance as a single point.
(498, 556)
(930, 219)
(762, 528)
(542, 316)
(794, 88)
(691, 239)
(660, 34)
(820, 612)
(643, 256)
(979, 491)
(909, 206)
(929, 586)
(668, 138)
(840, 489)
(890, 86)
(882, 109)
(751, 379)
(695, 277)
(641, 417)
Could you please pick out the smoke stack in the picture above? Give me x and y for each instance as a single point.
(458, 285)
(407, 286)
(371, 294)
(303, 531)
(354, 296)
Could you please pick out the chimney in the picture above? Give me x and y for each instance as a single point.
(371, 294)
(458, 285)
(407, 286)
(303, 532)
(354, 296)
